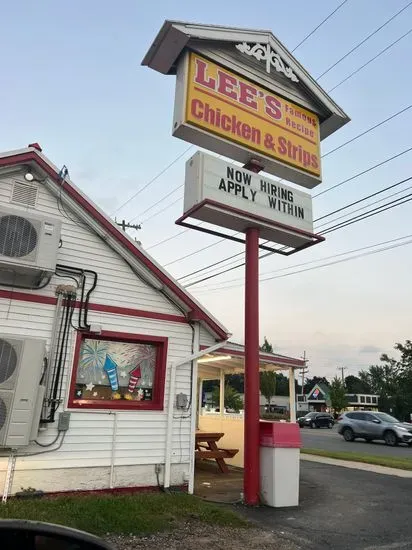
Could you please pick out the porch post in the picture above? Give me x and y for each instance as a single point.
(292, 396)
(222, 393)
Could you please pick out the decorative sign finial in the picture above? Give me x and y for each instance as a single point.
(265, 53)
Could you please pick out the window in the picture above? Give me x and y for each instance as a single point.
(374, 399)
(118, 371)
(362, 399)
(368, 399)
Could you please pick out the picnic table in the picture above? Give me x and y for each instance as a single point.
(206, 449)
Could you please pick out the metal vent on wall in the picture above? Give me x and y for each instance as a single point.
(24, 194)
(18, 236)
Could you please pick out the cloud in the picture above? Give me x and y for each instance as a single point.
(370, 349)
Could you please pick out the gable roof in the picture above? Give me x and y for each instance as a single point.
(125, 246)
(322, 388)
(175, 36)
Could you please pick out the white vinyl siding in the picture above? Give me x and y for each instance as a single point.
(92, 440)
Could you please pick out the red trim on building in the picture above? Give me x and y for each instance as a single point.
(32, 156)
(116, 310)
(157, 402)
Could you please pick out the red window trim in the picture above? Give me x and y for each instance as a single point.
(157, 403)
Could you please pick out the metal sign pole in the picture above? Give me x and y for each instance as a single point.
(251, 478)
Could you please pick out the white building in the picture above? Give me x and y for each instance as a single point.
(118, 349)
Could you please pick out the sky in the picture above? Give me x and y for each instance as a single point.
(72, 80)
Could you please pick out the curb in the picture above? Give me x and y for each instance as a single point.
(357, 465)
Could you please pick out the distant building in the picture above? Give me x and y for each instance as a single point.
(318, 399)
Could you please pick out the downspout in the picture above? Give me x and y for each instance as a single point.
(193, 409)
(170, 405)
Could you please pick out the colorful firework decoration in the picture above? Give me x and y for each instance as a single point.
(110, 368)
(135, 376)
(126, 368)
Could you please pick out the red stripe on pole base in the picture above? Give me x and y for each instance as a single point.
(251, 458)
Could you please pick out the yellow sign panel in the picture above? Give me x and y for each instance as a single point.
(232, 107)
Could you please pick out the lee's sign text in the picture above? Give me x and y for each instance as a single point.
(235, 109)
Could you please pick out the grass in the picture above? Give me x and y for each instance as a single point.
(132, 514)
(389, 461)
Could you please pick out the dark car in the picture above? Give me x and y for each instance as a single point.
(316, 420)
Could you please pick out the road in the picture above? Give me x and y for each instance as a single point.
(343, 509)
(330, 440)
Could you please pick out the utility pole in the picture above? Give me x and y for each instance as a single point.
(342, 369)
(304, 371)
(124, 225)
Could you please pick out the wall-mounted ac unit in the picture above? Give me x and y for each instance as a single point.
(28, 246)
(21, 362)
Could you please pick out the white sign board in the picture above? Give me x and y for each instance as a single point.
(227, 195)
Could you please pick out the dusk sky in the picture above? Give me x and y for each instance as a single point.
(71, 80)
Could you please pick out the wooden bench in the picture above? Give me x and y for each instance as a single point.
(207, 449)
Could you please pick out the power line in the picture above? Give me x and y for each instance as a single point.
(369, 253)
(161, 211)
(370, 60)
(363, 199)
(367, 131)
(340, 254)
(321, 193)
(156, 203)
(366, 206)
(167, 239)
(363, 172)
(366, 215)
(351, 140)
(153, 179)
(319, 26)
(363, 41)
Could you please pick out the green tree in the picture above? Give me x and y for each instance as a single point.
(337, 394)
(392, 381)
(268, 385)
(266, 346)
(232, 398)
(355, 385)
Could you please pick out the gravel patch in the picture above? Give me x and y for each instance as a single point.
(195, 535)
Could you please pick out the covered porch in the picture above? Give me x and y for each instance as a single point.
(230, 426)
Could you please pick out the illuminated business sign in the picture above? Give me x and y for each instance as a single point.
(230, 115)
(229, 196)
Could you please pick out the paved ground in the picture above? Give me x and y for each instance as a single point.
(344, 509)
(330, 440)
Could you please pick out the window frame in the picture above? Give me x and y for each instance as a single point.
(157, 402)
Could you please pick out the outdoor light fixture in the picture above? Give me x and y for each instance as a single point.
(28, 176)
(215, 358)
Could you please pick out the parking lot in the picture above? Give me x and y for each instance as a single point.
(344, 509)
(330, 440)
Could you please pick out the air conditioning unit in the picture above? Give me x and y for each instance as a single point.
(21, 362)
(28, 247)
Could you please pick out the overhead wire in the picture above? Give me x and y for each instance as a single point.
(354, 211)
(370, 61)
(224, 284)
(151, 181)
(359, 44)
(330, 229)
(318, 194)
(351, 140)
(320, 25)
